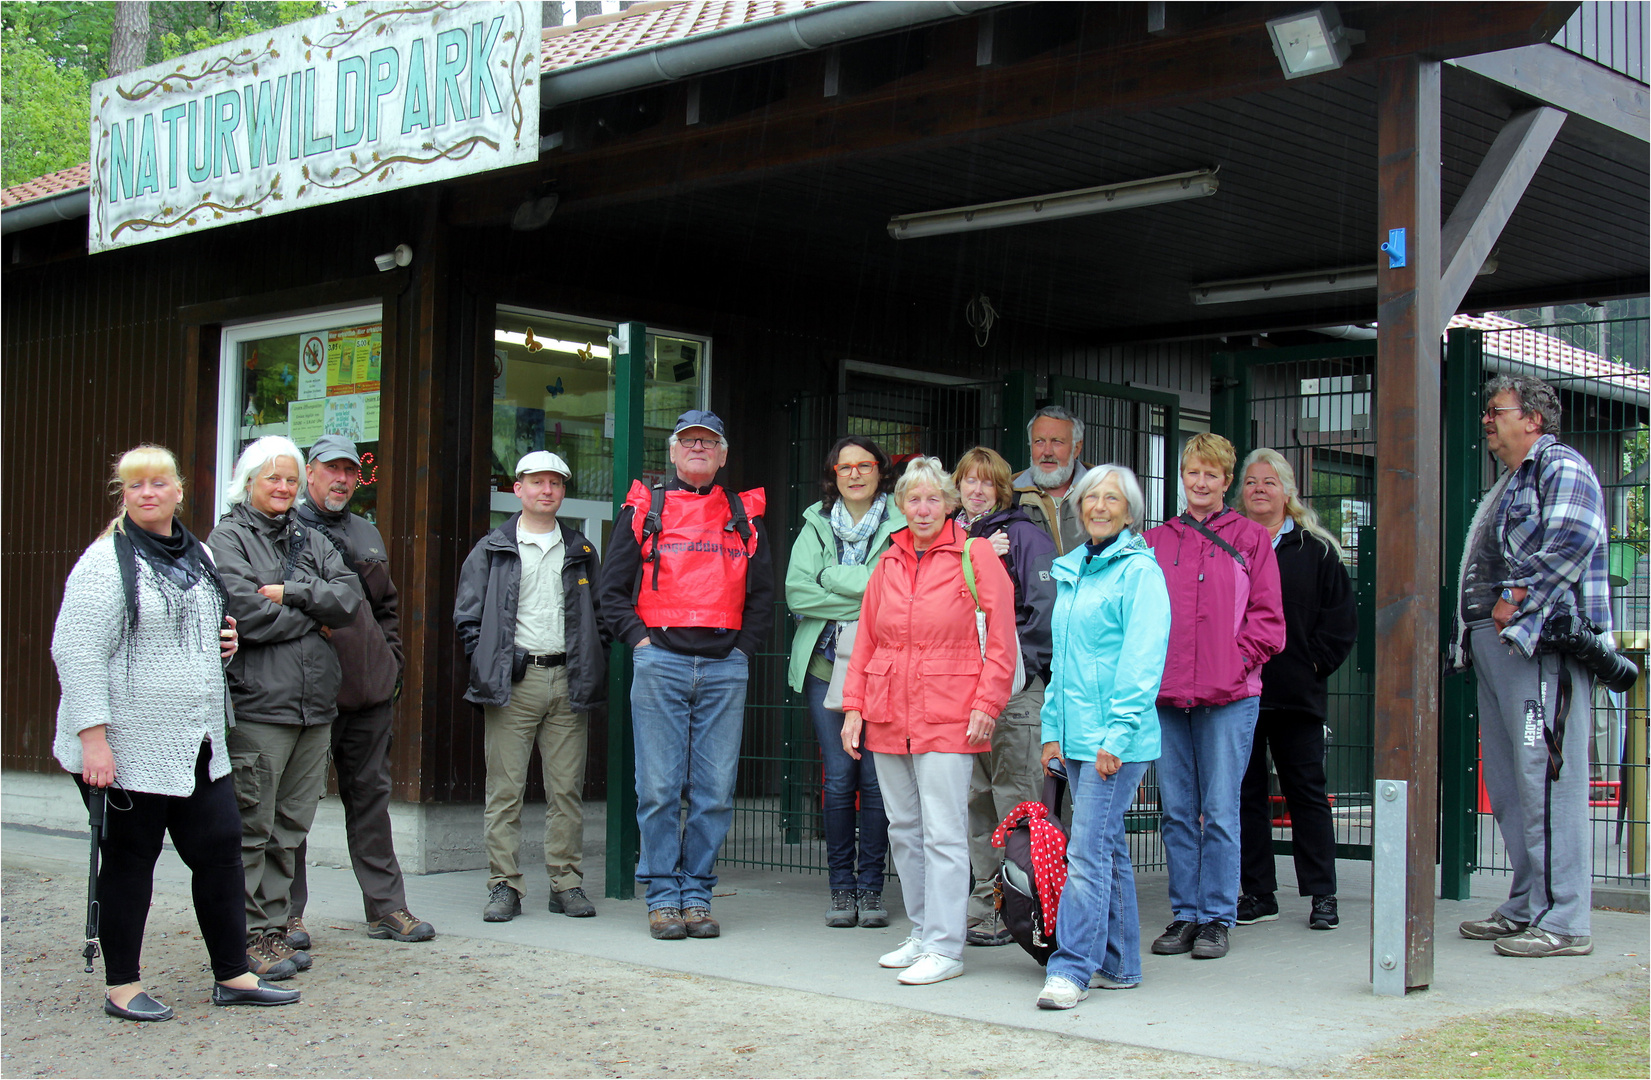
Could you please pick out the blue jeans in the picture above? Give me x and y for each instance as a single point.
(688, 713)
(1098, 926)
(1205, 752)
(844, 777)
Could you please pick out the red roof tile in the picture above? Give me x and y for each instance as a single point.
(40, 187)
(643, 26)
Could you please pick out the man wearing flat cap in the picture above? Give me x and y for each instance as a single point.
(369, 652)
(526, 615)
(690, 587)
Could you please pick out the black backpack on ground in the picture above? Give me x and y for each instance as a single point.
(1018, 903)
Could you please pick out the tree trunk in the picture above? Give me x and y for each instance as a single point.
(584, 9)
(552, 13)
(129, 44)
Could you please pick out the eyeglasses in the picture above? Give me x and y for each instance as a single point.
(700, 444)
(856, 468)
(1490, 413)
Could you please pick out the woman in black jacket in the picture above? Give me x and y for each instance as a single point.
(1320, 624)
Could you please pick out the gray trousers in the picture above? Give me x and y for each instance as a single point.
(361, 757)
(280, 772)
(1544, 824)
(1005, 776)
(926, 799)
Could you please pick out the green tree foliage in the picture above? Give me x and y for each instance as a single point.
(54, 50)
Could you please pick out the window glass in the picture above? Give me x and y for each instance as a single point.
(553, 390)
(303, 378)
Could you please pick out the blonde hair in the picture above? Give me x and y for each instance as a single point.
(930, 471)
(261, 452)
(144, 459)
(1299, 512)
(1211, 448)
(990, 465)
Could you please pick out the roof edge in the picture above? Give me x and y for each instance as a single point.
(62, 206)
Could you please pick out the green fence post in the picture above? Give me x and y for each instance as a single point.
(1458, 695)
(1229, 404)
(1020, 390)
(629, 378)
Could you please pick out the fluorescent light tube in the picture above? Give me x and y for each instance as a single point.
(1053, 207)
(1306, 283)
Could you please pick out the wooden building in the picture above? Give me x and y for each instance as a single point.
(725, 174)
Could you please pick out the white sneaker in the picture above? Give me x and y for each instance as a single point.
(1099, 981)
(931, 968)
(904, 955)
(1059, 993)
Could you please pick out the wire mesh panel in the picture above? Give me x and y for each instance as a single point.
(1317, 412)
(777, 806)
(1127, 426)
(1602, 372)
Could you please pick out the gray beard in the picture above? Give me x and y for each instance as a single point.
(1059, 478)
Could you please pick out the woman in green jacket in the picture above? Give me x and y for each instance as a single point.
(841, 538)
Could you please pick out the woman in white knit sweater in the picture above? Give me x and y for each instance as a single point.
(139, 645)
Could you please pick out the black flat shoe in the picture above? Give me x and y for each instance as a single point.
(141, 1007)
(262, 994)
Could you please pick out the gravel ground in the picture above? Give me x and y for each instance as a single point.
(464, 1007)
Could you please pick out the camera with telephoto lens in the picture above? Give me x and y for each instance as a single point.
(1567, 632)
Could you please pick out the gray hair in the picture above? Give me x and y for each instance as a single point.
(260, 452)
(1055, 412)
(1534, 396)
(1127, 483)
(930, 471)
(1299, 512)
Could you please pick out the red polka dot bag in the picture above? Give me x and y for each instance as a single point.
(1033, 871)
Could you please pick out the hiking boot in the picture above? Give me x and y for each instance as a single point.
(402, 925)
(666, 924)
(503, 904)
(1211, 942)
(1254, 909)
(1536, 941)
(699, 922)
(873, 915)
(1497, 926)
(1324, 915)
(989, 932)
(573, 903)
(1176, 938)
(283, 949)
(298, 936)
(262, 961)
(1059, 993)
(843, 912)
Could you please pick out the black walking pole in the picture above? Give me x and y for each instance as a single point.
(97, 803)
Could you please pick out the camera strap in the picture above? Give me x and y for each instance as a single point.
(1555, 736)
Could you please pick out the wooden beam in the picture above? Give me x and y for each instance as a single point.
(1408, 477)
(1558, 77)
(1487, 204)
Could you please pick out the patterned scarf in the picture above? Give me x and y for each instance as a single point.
(856, 537)
(1048, 855)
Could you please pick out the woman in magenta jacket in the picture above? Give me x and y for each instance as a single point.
(925, 701)
(1226, 619)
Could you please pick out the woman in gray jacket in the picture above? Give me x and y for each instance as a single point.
(286, 586)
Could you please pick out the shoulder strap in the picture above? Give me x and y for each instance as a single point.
(313, 520)
(652, 525)
(297, 540)
(737, 520)
(1210, 534)
(969, 571)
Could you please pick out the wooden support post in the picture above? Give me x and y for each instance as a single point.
(1408, 477)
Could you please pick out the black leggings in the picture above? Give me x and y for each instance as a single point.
(206, 831)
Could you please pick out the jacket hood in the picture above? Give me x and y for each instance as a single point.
(1077, 562)
(1023, 479)
(247, 514)
(950, 539)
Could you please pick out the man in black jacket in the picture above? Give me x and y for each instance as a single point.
(526, 614)
(369, 651)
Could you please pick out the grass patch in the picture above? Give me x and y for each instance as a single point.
(1605, 1042)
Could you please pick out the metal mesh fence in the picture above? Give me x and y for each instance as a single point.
(1602, 371)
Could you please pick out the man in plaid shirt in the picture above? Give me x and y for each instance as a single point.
(1537, 546)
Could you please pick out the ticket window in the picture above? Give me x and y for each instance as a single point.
(553, 390)
(304, 377)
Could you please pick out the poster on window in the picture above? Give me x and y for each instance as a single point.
(355, 360)
(312, 366)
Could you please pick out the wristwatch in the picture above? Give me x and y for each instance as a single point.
(1507, 597)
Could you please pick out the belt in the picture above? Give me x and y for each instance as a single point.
(547, 659)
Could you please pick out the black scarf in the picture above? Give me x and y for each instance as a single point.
(179, 559)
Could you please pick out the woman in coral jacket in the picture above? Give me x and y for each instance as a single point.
(925, 699)
(1227, 619)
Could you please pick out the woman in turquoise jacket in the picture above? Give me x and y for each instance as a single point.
(841, 539)
(1111, 630)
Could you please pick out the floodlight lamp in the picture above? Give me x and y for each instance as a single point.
(1311, 42)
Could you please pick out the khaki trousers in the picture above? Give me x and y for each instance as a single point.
(280, 774)
(1004, 777)
(538, 712)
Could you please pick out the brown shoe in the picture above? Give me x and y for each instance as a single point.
(279, 945)
(666, 924)
(264, 963)
(402, 925)
(298, 936)
(699, 921)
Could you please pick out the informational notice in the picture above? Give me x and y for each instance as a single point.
(361, 100)
(342, 396)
